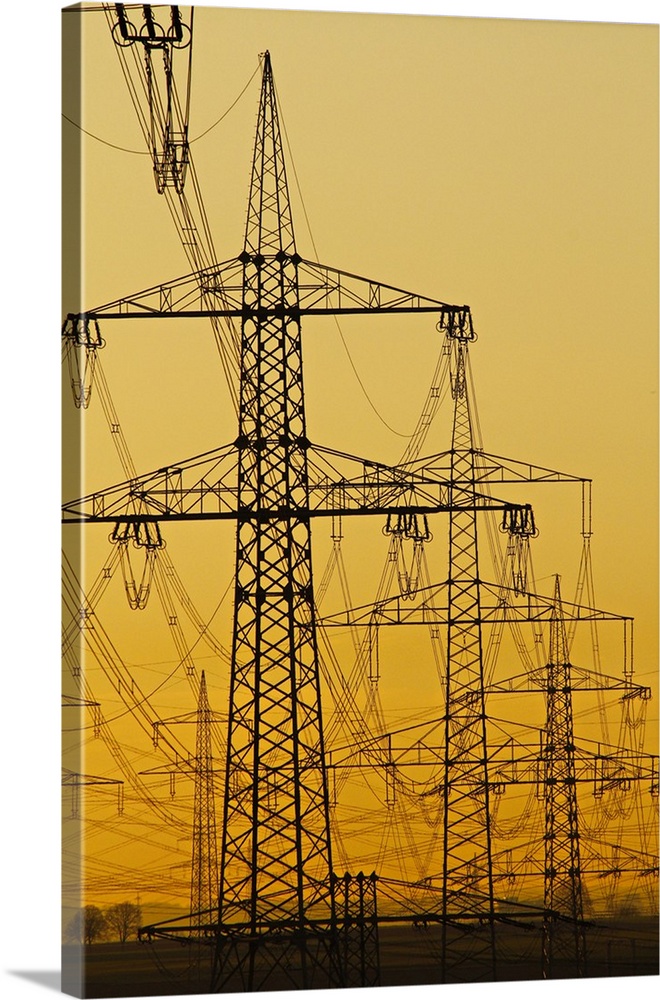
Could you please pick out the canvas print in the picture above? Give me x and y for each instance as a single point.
(359, 419)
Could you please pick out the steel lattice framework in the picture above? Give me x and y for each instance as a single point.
(563, 938)
(204, 877)
(275, 868)
(284, 917)
(275, 910)
(467, 872)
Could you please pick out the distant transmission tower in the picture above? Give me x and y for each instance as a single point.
(204, 875)
(563, 926)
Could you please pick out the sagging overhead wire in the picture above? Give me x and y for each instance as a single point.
(337, 324)
(230, 108)
(146, 152)
(92, 135)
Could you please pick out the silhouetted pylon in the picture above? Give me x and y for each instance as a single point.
(467, 873)
(284, 919)
(277, 907)
(204, 877)
(564, 952)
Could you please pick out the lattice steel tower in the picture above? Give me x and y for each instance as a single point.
(275, 869)
(284, 918)
(204, 877)
(564, 951)
(467, 872)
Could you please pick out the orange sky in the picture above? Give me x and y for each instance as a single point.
(510, 165)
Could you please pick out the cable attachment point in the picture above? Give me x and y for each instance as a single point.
(168, 113)
(144, 535)
(151, 33)
(456, 322)
(407, 525)
(81, 338)
(519, 521)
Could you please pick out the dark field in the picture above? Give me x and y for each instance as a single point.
(408, 957)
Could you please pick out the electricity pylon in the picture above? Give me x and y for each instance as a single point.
(472, 764)
(277, 901)
(204, 873)
(467, 869)
(200, 767)
(285, 918)
(563, 925)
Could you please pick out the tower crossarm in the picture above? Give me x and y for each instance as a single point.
(604, 766)
(323, 291)
(602, 861)
(76, 781)
(72, 778)
(489, 468)
(328, 291)
(606, 858)
(428, 606)
(211, 291)
(200, 487)
(596, 764)
(187, 766)
(205, 488)
(70, 701)
(510, 762)
(345, 484)
(582, 679)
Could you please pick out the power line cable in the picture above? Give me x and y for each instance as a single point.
(123, 149)
(146, 152)
(341, 334)
(230, 108)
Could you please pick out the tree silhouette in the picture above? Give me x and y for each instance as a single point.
(87, 925)
(123, 919)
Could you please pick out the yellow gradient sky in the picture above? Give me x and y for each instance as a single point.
(509, 165)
